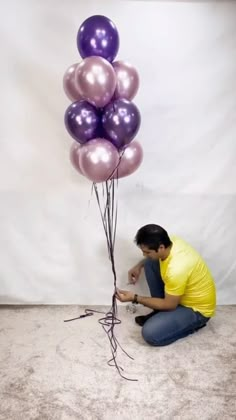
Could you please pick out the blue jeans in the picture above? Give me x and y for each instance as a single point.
(165, 327)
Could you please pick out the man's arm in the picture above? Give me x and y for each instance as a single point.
(168, 303)
(142, 262)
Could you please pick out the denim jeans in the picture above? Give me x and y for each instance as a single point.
(165, 327)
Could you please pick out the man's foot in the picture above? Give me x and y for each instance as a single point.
(140, 320)
(198, 328)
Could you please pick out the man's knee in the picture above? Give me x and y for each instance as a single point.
(163, 337)
(149, 336)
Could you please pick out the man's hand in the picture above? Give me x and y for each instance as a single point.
(124, 295)
(134, 273)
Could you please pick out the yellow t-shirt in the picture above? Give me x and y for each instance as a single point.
(185, 274)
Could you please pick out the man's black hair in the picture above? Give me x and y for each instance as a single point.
(152, 236)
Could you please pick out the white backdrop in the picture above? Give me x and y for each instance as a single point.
(52, 245)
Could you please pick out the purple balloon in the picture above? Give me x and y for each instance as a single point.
(98, 160)
(130, 160)
(120, 121)
(82, 121)
(98, 36)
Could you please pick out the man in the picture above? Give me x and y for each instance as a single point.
(183, 296)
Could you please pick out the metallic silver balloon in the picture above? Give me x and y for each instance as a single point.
(96, 80)
(70, 88)
(98, 159)
(127, 80)
(74, 156)
(131, 159)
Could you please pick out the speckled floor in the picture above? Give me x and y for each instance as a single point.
(51, 370)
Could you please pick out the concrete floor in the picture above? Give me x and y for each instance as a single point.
(51, 370)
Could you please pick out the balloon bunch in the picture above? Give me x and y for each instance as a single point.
(103, 121)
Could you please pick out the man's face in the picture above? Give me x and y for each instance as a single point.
(150, 253)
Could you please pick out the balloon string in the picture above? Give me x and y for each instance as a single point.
(107, 205)
(110, 224)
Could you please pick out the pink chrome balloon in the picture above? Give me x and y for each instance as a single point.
(70, 88)
(131, 159)
(98, 159)
(127, 80)
(74, 156)
(96, 80)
